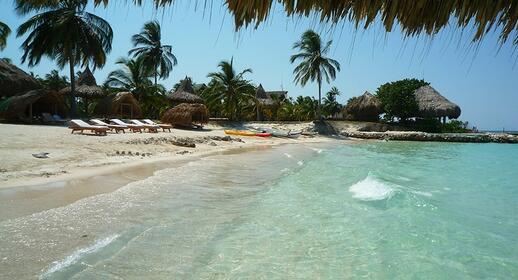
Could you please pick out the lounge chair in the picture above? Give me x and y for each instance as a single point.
(58, 118)
(79, 125)
(132, 127)
(114, 127)
(163, 126)
(150, 128)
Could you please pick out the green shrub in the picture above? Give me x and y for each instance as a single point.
(455, 126)
(398, 99)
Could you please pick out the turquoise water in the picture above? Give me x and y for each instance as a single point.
(374, 210)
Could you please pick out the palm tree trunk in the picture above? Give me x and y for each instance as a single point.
(73, 106)
(319, 114)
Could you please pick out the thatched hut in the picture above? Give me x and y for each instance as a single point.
(433, 105)
(121, 104)
(267, 100)
(14, 80)
(86, 88)
(186, 114)
(184, 94)
(32, 104)
(365, 107)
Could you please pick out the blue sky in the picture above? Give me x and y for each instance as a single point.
(482, 79)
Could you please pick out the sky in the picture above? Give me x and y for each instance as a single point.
(481, 78)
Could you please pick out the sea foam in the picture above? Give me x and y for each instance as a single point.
(75, 256)
(370, 189)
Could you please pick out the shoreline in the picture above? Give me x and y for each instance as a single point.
(26, 196)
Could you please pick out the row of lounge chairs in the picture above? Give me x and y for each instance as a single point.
(100, 127)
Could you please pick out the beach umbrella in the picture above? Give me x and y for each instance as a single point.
(433, 105)
(14, 80)
(365, 107)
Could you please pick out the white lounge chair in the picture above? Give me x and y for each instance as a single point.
(163, 126)
(132, 127)
(150, 128)
(115, 127)
(79, 125)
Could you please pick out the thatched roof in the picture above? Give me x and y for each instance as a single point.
(266, 98)
(433, 105)
(14, 80)
(184, 93)
(42, 101)
(186, 114)
(86, 86)
(413, 17)
(365, 107)
(121, 104)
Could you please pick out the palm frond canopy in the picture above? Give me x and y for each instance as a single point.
(4, 33)
(366, 107)
(39, 101)
(86, 86)
(433, 105)
(186, 114)
(64, 31)
(184, 93)
(149, 47)
(14, 80)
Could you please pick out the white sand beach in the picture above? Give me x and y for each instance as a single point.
(81, 165)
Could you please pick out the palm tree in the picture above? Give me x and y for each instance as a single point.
(230, 88)
(331, 106)
(148, 46)
(313, 62)
(4, 33)
(64, 31)
(54, 81)
(133, 77)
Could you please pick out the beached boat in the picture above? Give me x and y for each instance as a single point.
(247, 133)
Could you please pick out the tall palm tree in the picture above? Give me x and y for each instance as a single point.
(314, 65)
(230, 88)
(4, 33)
(133, 77)
(148, 46)
(64, 31)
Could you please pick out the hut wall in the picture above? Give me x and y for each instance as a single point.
(121, 105)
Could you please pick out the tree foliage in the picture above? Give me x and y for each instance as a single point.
(313, 63)
(331, 106)
(4, 33)
(149, 48)
(398, 99)
(229, 90)
(65, 32)
(54, 81)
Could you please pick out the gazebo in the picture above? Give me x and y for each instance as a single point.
(187, 115)
(33, 103)
(121, 104)
(184, 94)
(365, 107)
(86, 88)
(433, 105)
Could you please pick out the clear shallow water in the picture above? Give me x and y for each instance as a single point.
(376, 210)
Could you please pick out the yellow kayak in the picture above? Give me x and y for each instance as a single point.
(240, 132)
